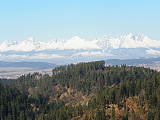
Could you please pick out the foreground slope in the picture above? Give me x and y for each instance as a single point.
(87, 91)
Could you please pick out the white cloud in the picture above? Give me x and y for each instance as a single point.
(154, 52)
(45, 56)
(91, 54)
(30, 57)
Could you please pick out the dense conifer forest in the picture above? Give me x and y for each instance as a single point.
(84, 91)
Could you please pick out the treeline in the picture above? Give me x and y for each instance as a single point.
(13, 104)
(119, 92)
(88, 77)
(16, 105)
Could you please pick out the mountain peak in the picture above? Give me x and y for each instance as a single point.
(125, 41)
(76, 38)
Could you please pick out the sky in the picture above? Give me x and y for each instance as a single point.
(61, 19)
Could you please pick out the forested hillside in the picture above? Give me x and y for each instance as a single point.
(84, 91)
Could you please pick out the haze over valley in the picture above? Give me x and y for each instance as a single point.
(31, 56)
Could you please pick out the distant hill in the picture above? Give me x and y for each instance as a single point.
(35, 65)
(133, 61)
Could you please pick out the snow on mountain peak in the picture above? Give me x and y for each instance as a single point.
(128, 41)
(7, 45)
(130, 36)
(125, 41)
(78, 43)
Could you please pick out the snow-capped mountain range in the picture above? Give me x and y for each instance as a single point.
(78, 49)
(125, 41)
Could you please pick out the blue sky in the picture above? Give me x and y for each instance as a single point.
(50, 19)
